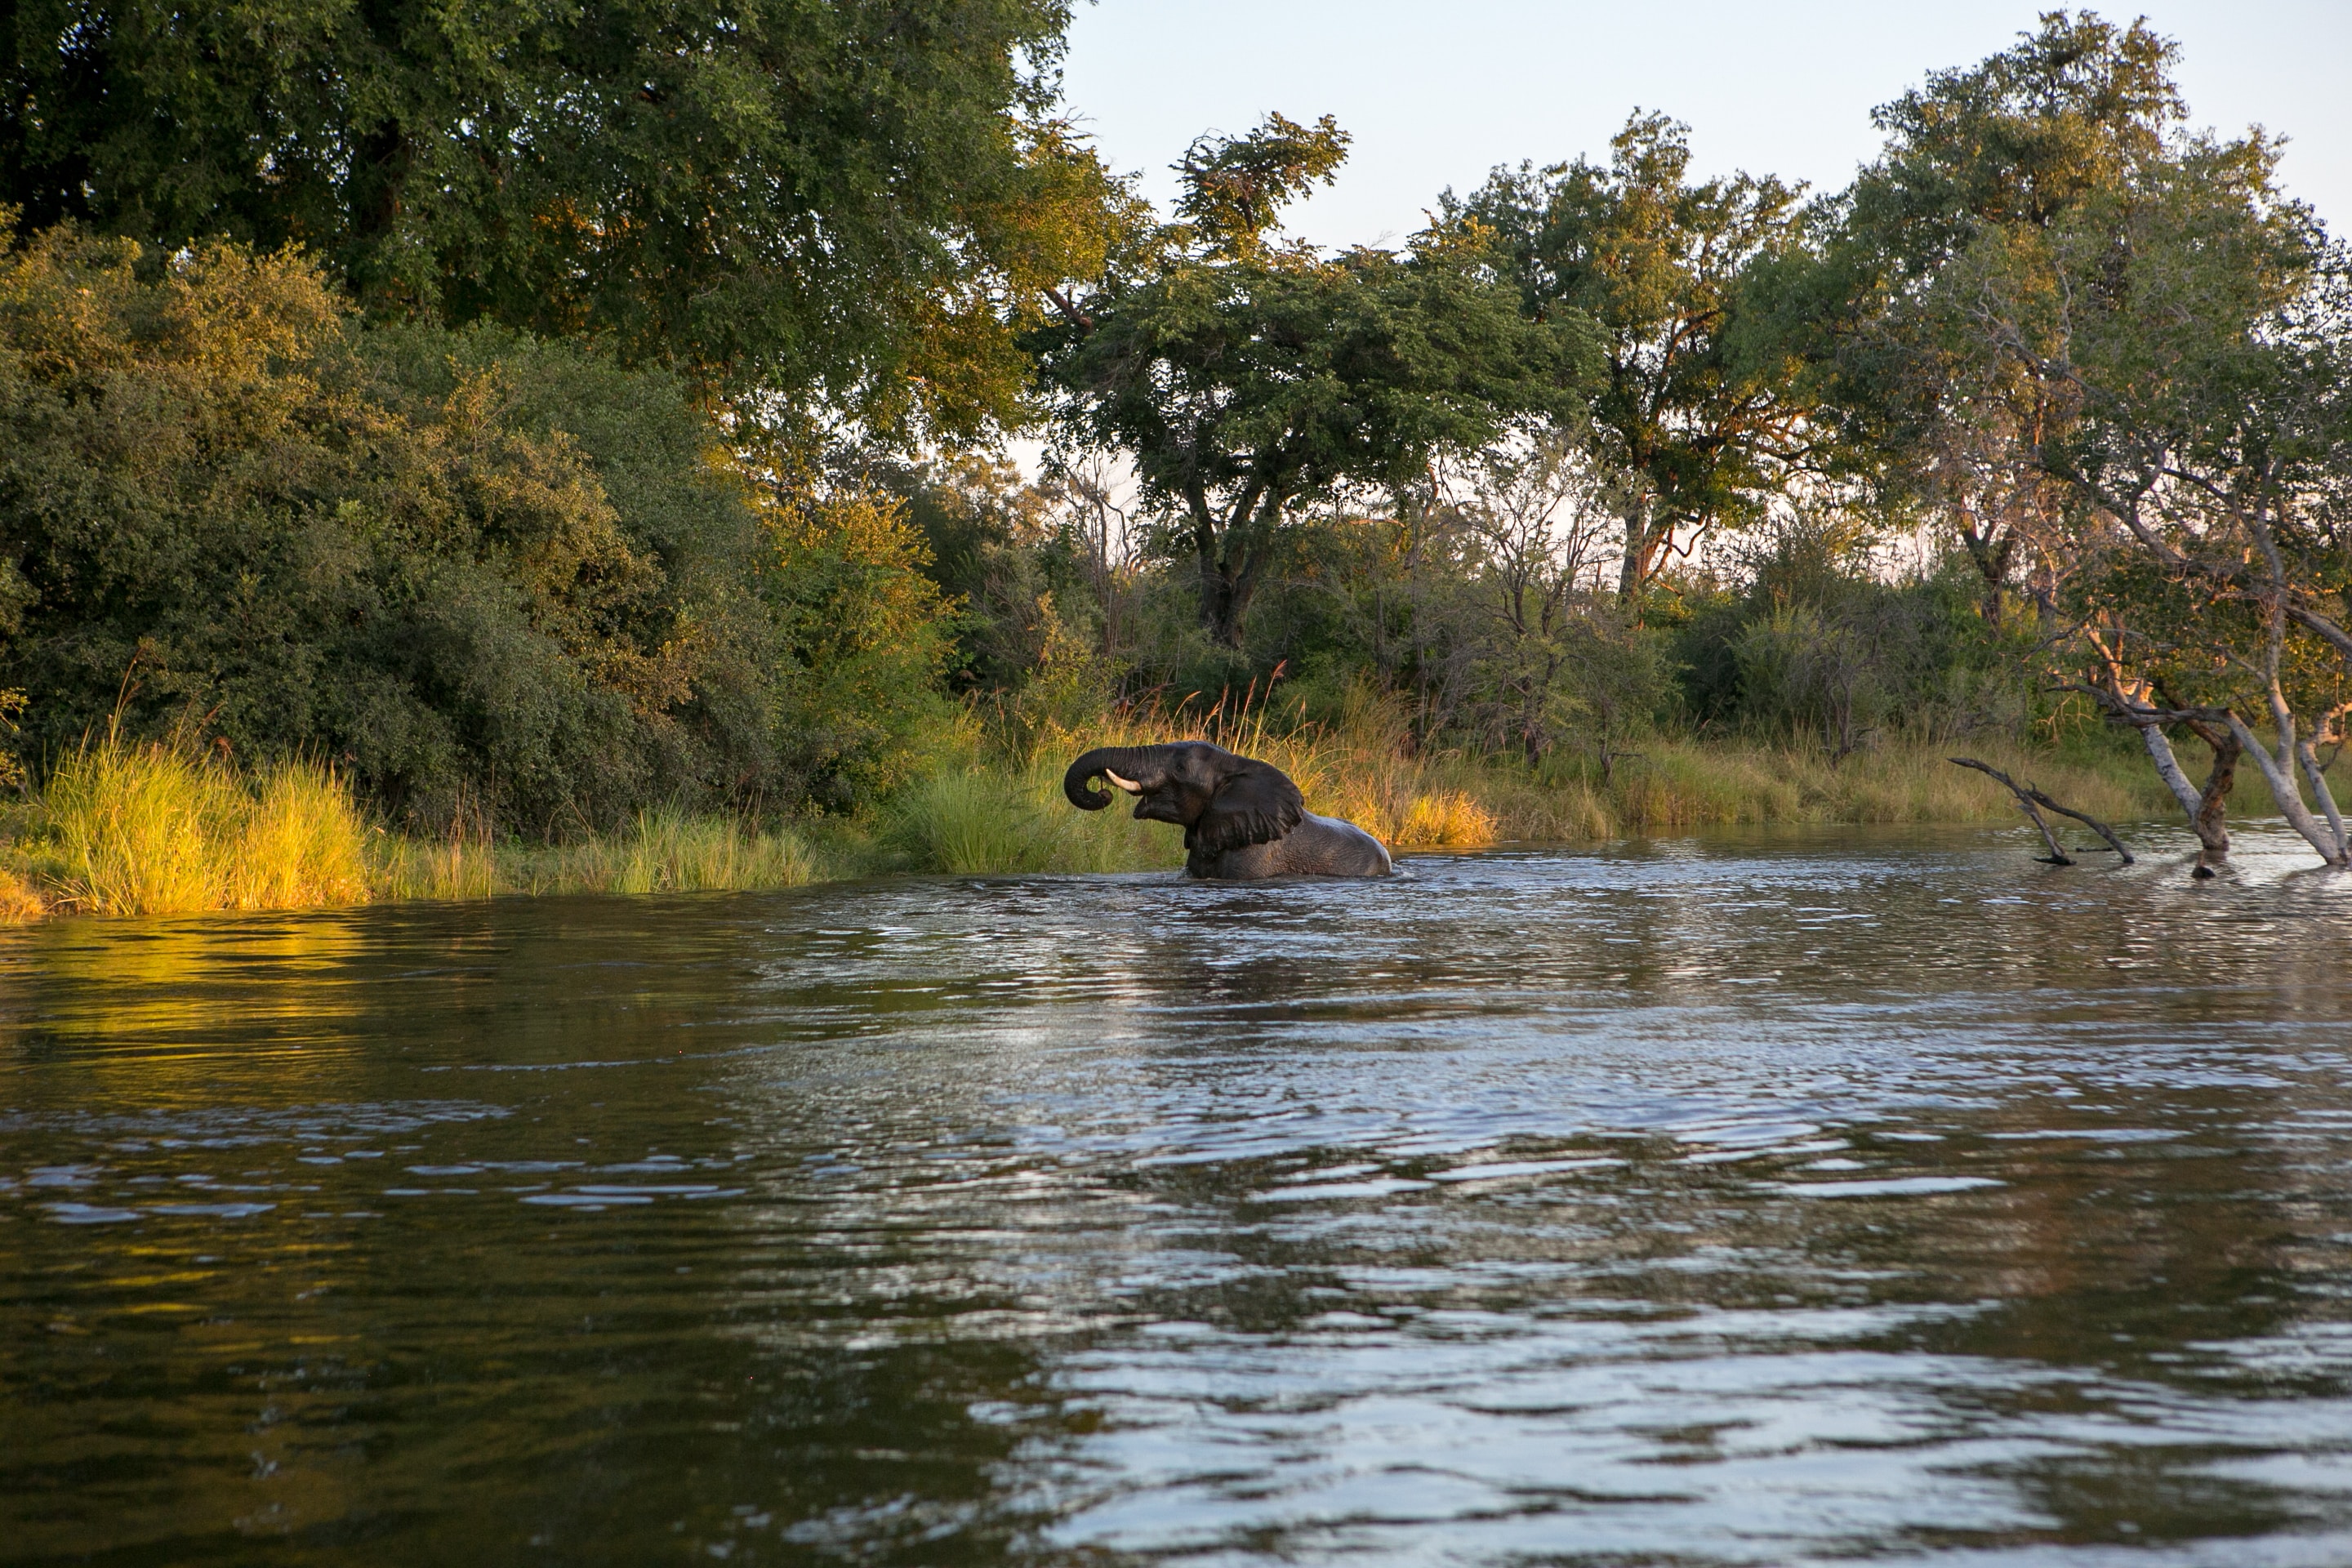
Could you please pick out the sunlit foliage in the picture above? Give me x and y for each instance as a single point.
(847, 204)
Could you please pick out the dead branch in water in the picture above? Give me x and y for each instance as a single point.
(2029, 799)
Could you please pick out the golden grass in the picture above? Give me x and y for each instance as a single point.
(126, 829)
(20, 901)
(302, 842)
(144, 829)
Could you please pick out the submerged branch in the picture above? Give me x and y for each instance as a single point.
(2030, 799)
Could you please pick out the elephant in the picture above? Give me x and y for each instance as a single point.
(1242, 818)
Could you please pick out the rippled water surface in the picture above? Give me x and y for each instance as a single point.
(1846, 1197)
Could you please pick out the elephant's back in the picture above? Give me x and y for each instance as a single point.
(1338, 848)
(1317, 847)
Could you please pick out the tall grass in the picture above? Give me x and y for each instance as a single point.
(20, 899)
(663, 851)
(459, 866)
(126, 829)
(666, 851)
(155, 829)
(1358, 769)
(1680, 784)
(1009, 816)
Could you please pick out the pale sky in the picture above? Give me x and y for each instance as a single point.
(1436, 94)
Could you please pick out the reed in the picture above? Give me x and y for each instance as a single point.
(128, 829)
(666, 851)
(1010, 818)
(20, 901)
(1358, 768)
(301, 842)
(155, 829)
(456, 866)
(1679, 785)
(1362, 767)
(663, 851)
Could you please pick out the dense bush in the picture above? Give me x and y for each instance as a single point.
(865, 637)
(1500, 643)
(1822, 641)
(485, 576)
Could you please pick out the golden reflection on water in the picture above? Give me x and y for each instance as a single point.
(183, 983)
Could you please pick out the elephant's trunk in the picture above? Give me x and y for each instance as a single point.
(1133, 764)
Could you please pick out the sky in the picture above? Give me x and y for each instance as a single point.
(1436, 94)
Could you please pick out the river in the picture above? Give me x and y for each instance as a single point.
(1849, 1195)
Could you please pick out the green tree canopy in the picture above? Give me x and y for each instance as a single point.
(1245, 379)
(852, 201)
(1702, 417)
(1235, 187)
(2023, 137)
(1980, 165)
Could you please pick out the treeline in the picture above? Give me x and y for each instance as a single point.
(610, 423)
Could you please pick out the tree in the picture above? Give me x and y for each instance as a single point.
(1535, 517)
(2211, 351)
(854, 201)
(482, 575)
(2162, 355)
(1980, 165)
(1245, 380)
(2085, 334)
(1703, 416)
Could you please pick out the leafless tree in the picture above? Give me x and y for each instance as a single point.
(1543, 522)
(1096, 501)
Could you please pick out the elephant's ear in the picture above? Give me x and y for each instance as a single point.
(1255, 803)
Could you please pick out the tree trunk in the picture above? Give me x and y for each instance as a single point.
(1992, 552)
(1231, 564)
(1222, 601)
(2208, 808)
(1633, 573)
(379, 172)
(2279, 773)
(2211, 818)
(2325, 796)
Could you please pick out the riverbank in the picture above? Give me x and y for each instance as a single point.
(145, 830)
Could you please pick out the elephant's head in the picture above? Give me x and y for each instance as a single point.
(1220, 801)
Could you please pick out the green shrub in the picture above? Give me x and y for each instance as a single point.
(472, 570)
(1010, 819)
(866, 638)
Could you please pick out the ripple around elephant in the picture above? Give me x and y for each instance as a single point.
(1242, 818)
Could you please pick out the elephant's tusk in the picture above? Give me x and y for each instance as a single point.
(1129, 785)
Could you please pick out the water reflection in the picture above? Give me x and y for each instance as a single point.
(1877, 1196)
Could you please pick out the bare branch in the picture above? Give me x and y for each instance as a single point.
(2028, 798)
